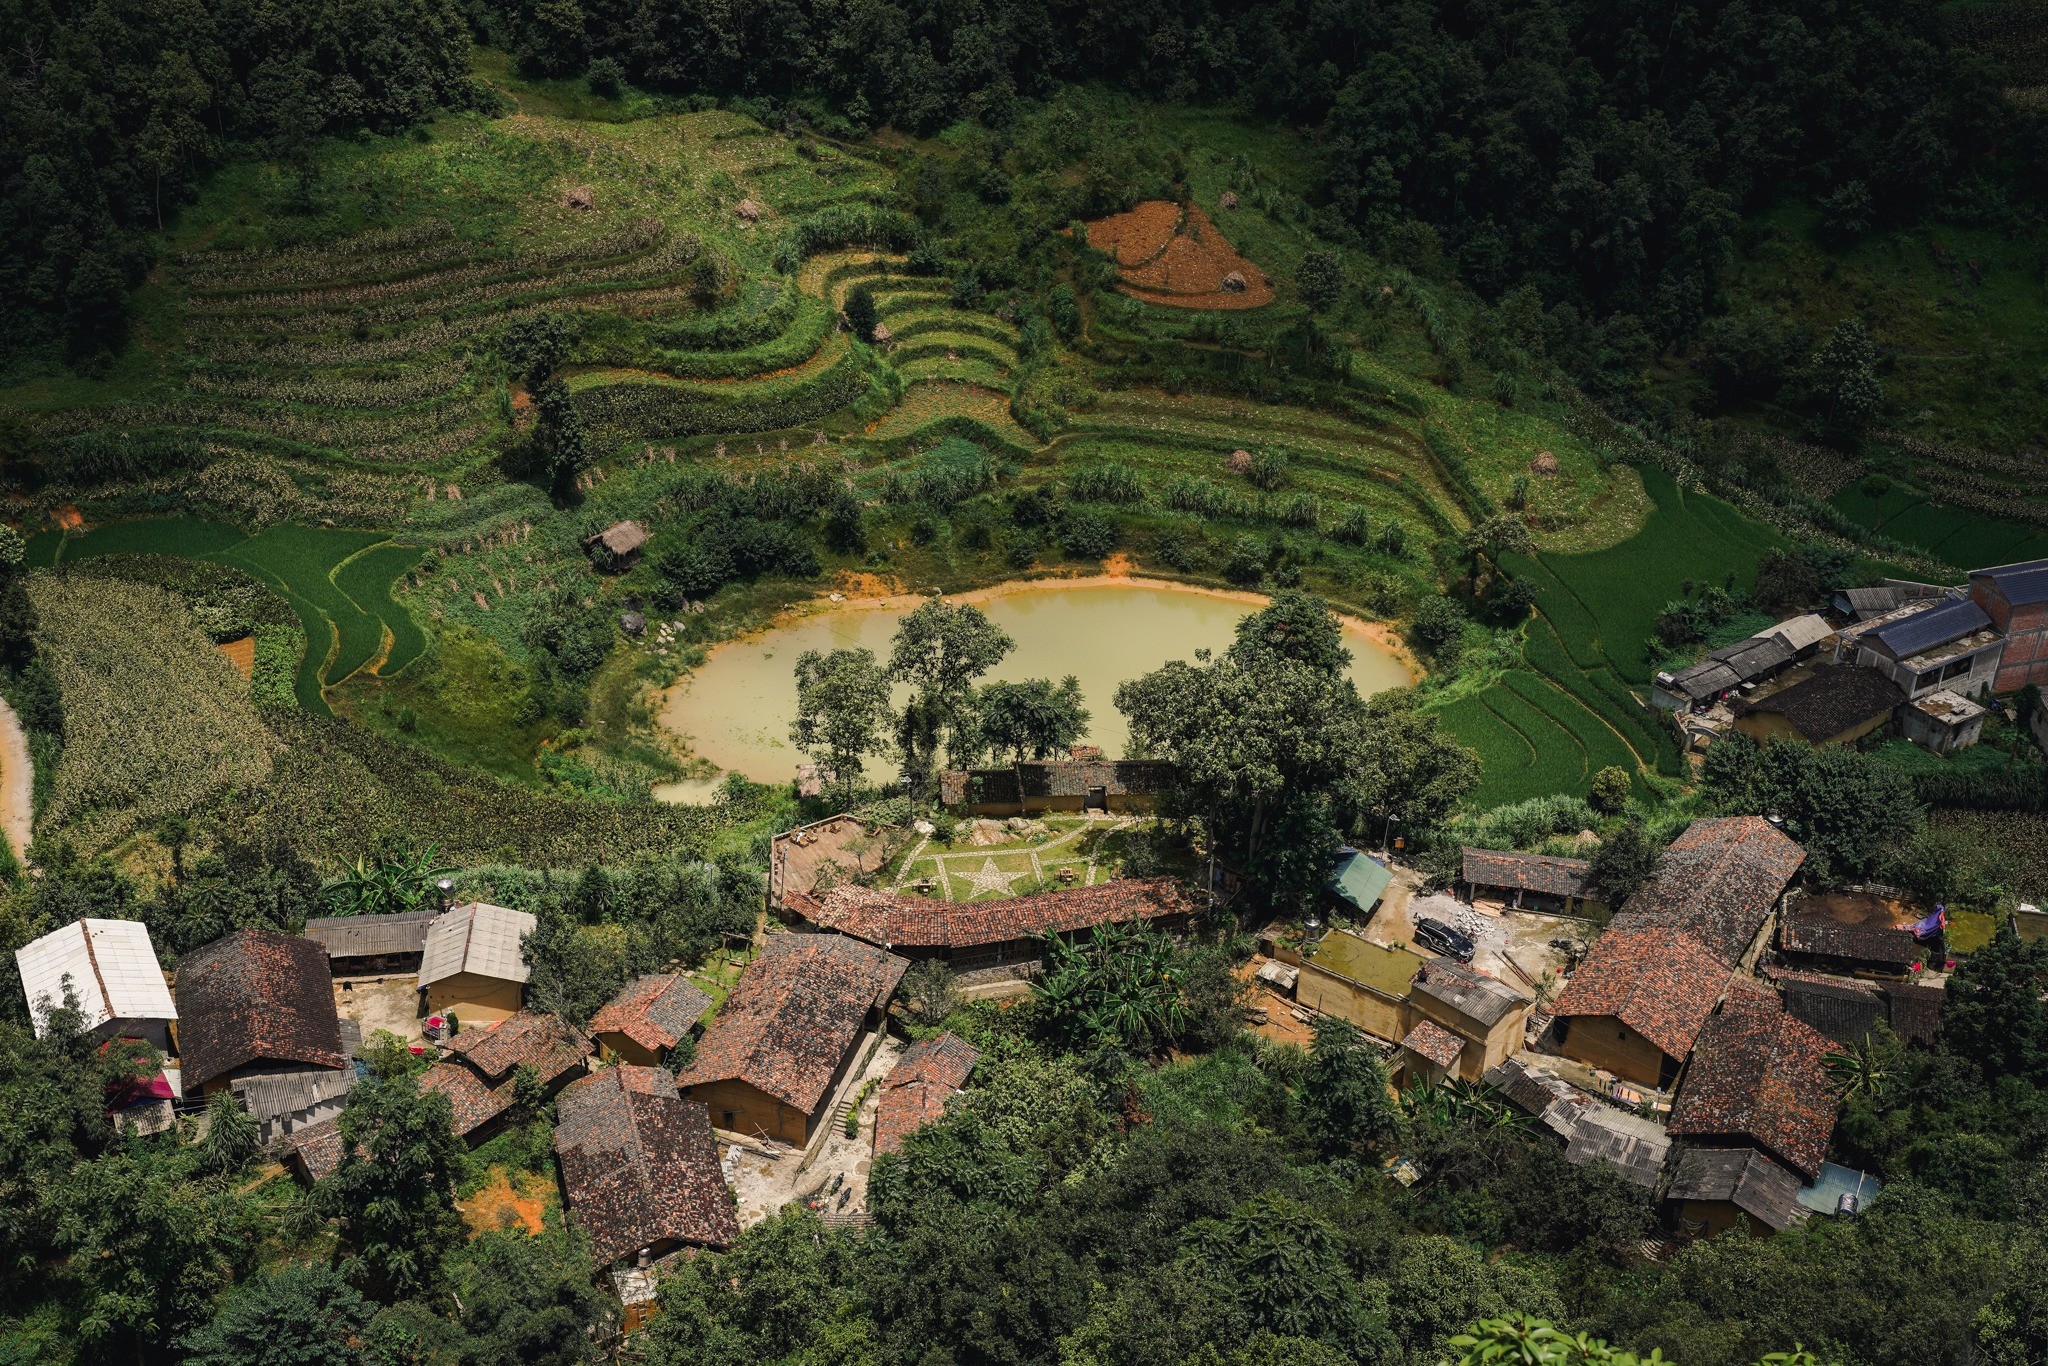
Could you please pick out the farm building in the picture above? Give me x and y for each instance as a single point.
(472, 965)
(1485, 1014)
(1719, 882)
(915, 1091)
(1745, 664)
(109, 967)
(617, 546)
(1038, 786)
(980, 934)
(1428, 1056)
(1592, 1129)
(256, 1014)
(2015, 598)
(1758, 1079)
(1716, 1189)
(1529, 882)
(1351, 977)
(1942, 721)
(1825, 944)
(479, 1072)
(1357, 884)
(1867, 604)
(1846, 1009)
(1638, 1002)
(1836, 704)
(370, 945)
(787, 1034)
(640, 1170)
(652, 1015)
(1949, 643)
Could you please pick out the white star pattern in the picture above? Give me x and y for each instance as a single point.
(989, 879)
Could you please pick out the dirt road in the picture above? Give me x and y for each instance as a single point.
(17, 782)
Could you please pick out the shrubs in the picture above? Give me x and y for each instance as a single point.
(1439, 627)
(1088, 534)
(1107, 484)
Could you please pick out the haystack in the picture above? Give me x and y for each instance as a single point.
(1239, 462)
(1544, 463)
(1228, 200)
(1234, 282)
(579, 197)
(748, 210)
(883, 336)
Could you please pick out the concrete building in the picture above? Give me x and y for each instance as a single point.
(472, 964)
(2015, 598)
(1942, 722)
(1949, 644)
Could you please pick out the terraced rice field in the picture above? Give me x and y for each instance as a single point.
(1957, 536)
(338, 584)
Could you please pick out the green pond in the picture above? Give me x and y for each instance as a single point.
(735, 709)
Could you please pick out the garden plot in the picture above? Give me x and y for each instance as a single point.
(995, 859)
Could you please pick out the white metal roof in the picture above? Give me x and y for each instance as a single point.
(112, 967)
(1801, 632)
(476, 937)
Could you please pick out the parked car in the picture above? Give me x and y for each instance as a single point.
(1441, 938)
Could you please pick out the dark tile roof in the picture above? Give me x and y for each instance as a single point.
(370, 936)
(1833, 699)
(914, 1093)
(1742, 1177)
(2022, 584)
(1048, 778)
(1708, 678)
(1937, 624)
(1530, 872)
(1660, 983)
(1915, 1011)
(479, 1074)
(639, 1164)
(799, 1007)
(653, 1011)
(1844, 1010)
(908, 921)
(1523, 1088)
(1755, 657)
(1468, 991)
(1718, 882)
(255, 996)
(1758, 1073)
(1878, 947)
(1432, 1041)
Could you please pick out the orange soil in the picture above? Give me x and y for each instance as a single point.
(1136, 237)
(498, 1205)
(69, 518)
(242, 654)
(1178, 258)
(1280, 1025)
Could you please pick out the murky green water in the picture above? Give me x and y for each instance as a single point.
(736, 709)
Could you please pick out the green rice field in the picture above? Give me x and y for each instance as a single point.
(1957, 536)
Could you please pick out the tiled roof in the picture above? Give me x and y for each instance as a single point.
(1742, 1177)
(1833, 699)
(1530, 872)
(319, 1147)
(112, 967)
(799, 1007)
(2021, 584)
(1718, 881)
(1048, 778)
(1660, 983)
(1467, 991)
(370, 936)
(1758, 1073)
(478, 1075)
(1846, 1011)
(914, 1093)
(480, 938)
(1708, 678)
(907, 921)
(639, 1164)
(653, 1011)
(1877, 946)
(1755, 657)
(255, 996)
(1432, 1041)
(1915, 1011)
(1802, 631)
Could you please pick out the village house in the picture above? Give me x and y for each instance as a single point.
(1638, 1001)
(1942, 722)
(639, 1166)
(2015, 598)
(256, 1017)
(1484, 1014)
(1836, 704)
(1824, 944)
(1758, 1079)
(1847, 1009)
(1949, 643)
(1744, 664)
(1716, 1189)
(473, 963)
(1068, 785)
(1447, 1020)
(372, 945)
(1526, 882)
(109, 968)
(479, 1072)
(914, 1093)
(785, 1037)
(652, 1015)
(1354, 979)
(1720, 882)
(971, 935)
(1867, 604)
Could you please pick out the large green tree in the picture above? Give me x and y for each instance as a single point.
(940, 649)
(394, 1193)
(842, 711)
(1034, 719)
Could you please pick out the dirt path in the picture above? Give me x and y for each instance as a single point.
(17, 782)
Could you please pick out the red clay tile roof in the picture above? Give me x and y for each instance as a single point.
(1529, 872)
(653, 1011)
(1660, 983)
(255, 996)
(1432, 1041)
(639, 1165)
(799, 1007)
(478, 1075)
(1759, 1074)
(319, 1147)
(1718, 881)
(914, 1094)
(903, 921)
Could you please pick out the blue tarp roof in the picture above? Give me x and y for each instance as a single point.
(1938, 625)
(1361, 880)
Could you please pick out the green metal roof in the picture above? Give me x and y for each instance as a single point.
(1362, 881)
(1382, 967)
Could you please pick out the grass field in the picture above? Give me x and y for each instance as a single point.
(337, 582)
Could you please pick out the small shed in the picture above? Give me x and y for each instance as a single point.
(1525, 882)
(1429, 1054)
(1357, 883)
(617, 546)
(368, 945)
(1943, 721)
(473, 964)
(1717, 1189)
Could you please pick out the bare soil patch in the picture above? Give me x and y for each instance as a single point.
(1176, 257)
(502, 1205)
(242, 654)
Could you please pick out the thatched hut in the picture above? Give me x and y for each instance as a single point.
(1544, 463)
(617, 546)
(1239, 462)
(748, 210)
(1234, 283)
(579, 197)
(1227, 200)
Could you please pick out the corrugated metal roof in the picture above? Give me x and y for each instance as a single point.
(112, 967)
(1932, 626)
(1362, 881)
(1708, 678)
(1755, 657)
(2021, 584)
(1801, 632)
(370, 936)
(480, 938)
